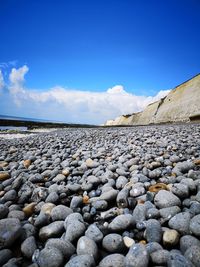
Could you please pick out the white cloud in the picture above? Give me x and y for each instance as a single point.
(1, 80)
(59, 103)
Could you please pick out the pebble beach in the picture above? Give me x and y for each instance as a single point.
(106, 197)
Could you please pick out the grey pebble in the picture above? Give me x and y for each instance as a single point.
(94, 233)
(193, 254)
(87, 246)
(10, 230)
(5, 255)
(66, 248)
(137, 256)
(81, 260)
(50, 257)
(153, 231)
(54, 229)
(113, 243)
(3, 211)
(28, 247)
(195, 225)
(188, 241)
(122, 222)
(160, 257)
(60, 212)
(113, 260)
(164, 199)
(180, 222)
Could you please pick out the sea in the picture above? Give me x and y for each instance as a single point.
(5, 117)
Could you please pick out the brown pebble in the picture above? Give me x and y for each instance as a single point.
(143, 242)
(29, 209)
(4, 176)
(157, 187)
(27, 163)
(86, 199)
(3, 164)
(197, 161)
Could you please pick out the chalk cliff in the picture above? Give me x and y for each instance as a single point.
(182, 104)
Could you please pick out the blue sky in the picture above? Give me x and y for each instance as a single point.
(144, 46)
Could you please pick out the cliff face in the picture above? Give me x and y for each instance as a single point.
(182, 104)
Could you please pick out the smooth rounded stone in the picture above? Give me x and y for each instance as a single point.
(195, 208)
(160, 257)
(3, 211)
(183, 167)
(193, 254)
(164, 199)
(50, 257)
(64, 246)
(168, 213)
(180, 222)
(91, 163)
(10, 195)
(47, 208)
(74, 226)
(195, 225)
(81, 260)
(122, 222)
(188, 241)
(121, 182)
(10, 230)
(28, 230)
(13, 262)
(139, 213)
(153, 231)
(109, 195)
(137, 191)
(113, 260)
(152, 213)
(152, 247)
(94, 233)
(29, 209)
(174, 158)
(28, 247)
(190, 183)
(39, 194)
(76, 202)
(5, 255)
(52, 198)
(122, 198)
(128, 242)
(100, 204)
(137, 256)
(60, 212)
(4, 176)
(59, 178)
(54, 229)
(74, 187)
(42, 219)
(178, 260)
(18, 214)
(87, 246)
(113, 243)
(170, 238)
(180, 190)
